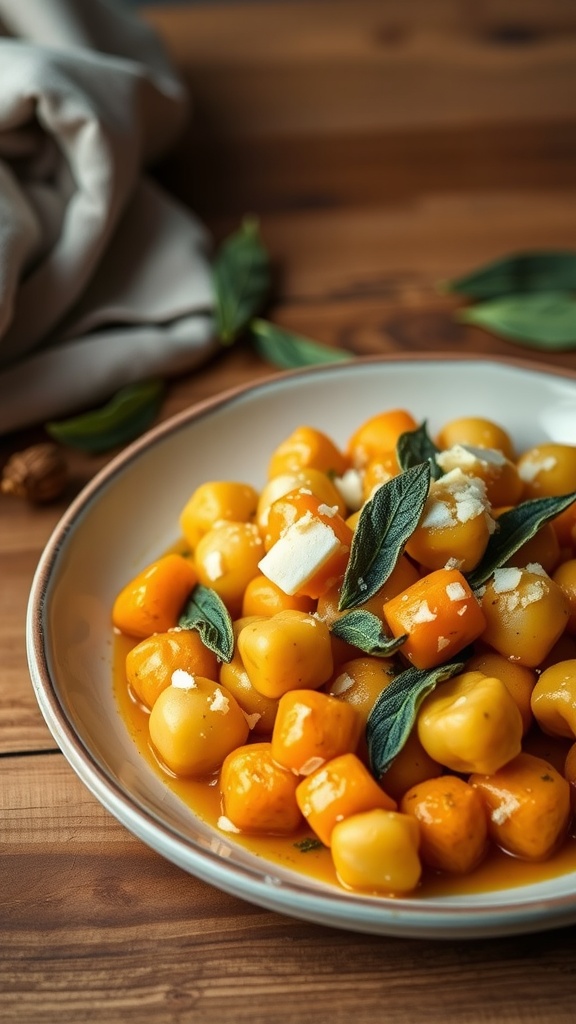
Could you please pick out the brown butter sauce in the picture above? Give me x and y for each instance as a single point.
(498, 870)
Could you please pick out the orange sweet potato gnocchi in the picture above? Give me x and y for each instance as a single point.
(376, 684)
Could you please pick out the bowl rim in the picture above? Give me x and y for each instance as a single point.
(309, 900)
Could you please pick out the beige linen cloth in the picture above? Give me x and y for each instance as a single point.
(104, 279)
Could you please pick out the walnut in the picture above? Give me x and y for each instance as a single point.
(38, 473)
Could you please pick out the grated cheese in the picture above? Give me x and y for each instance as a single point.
(532, 468)
(455, 591)
(328, 510)
(226, 825)
(220, 702)
(214, 565)
(341, 684)
(183, 680)
(350, 487)
(506, 580)
(423, 613)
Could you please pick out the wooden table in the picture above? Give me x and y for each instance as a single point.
(385, 146)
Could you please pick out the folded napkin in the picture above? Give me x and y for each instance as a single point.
(104, 278)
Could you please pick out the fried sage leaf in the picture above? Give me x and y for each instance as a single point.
(364, 630)
(519, 273)
(309, 844)
(513, 529)
(394, 713)
(544, 320)
(288, 351)
(207, 613)
(241, 273)
(386, 522)
(416, 446)
(128, 413)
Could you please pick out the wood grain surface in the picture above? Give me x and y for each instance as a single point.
(385, 146)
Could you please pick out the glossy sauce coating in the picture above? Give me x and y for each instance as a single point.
(497, 871)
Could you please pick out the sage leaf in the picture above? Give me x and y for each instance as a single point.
(364, 630)
(416, 446)
(513, 529)
(544, 320)
(394, 713)
(206, 612)
(128, 413)
(386, 522)
(241, 274)
(309, 844)
(288, 351)
(519, 273)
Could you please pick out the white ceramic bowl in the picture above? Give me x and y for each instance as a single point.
(128, 515)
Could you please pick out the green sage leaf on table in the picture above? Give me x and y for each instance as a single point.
(241, 273)
(386, 522)
(394, 713)
(288, 351)
(543, 320)
(128, 413)
(513, 529)
(416, 446)
(519, 273)
(364, 630)
(206, 612)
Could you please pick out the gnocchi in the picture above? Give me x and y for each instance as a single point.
(372, 687)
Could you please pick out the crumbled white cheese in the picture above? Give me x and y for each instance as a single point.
(328, 510)
(454, 563)
(349, 486)
(455, 591)
(226, 825)
(467, 456)
(423, 613)
(437, 515)
(471, 503)
(443, 642)
(183, 680)
(537, 569)
(252, 720)
(533, 592)
(214, 565)
(299, 553)
(220, 702)
(532, 467)
(342, 683)
(506, 580)
(456, 497)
